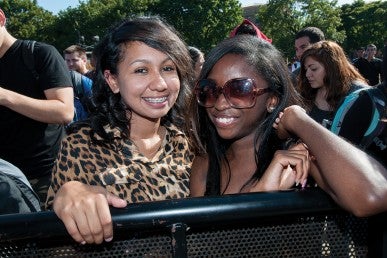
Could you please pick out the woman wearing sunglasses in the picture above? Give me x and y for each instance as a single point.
(243, 107)
(243, 86)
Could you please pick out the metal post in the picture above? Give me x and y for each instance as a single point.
(179, 241)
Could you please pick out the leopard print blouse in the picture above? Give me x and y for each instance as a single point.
(125, 172)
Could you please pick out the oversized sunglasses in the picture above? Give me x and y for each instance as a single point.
(239, 92)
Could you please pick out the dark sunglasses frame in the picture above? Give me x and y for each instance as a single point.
(225, 90)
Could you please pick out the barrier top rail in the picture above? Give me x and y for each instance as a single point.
(189, 211)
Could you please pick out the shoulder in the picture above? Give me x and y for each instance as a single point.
(47, 54)
(78, 133)
(377, 60)
(175, 134)
(177, 142)
(198, 178)
(358, 84)
(45, 50)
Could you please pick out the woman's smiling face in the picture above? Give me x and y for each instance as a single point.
(232, 123)
(147, 80)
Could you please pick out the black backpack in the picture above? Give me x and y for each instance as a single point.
(374, 139)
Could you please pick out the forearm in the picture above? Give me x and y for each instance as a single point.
(354, 179)
(52, 111)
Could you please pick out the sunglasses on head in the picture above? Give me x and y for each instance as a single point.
(239, 92)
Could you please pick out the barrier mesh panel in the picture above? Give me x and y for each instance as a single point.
(147, 248)
(318, 236)
(326, 236)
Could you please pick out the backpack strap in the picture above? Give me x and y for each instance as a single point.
(28, 56)
(345, 105)
(76, 78)
(378, 112)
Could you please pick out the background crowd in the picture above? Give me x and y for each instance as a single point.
(154, 119)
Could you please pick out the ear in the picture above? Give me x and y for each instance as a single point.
(272, 103)
(3, 19)
(111, 80)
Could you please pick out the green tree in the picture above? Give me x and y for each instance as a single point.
(202, 23)
(364, 24)
(26, 20)
(282, 19)
(92, 18)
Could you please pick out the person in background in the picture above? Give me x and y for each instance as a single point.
(93, 63)
(76, 59)
(197, 59)
(303, 39)
(241, 114)
(134, 149)
(35, 104)
(364, 119)
(359, 53)
(249, 28)
(82, 93)
(325, 78)
(370, 66)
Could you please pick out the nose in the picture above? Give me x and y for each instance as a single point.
(158, 83)
(221, 102)
(308, 73)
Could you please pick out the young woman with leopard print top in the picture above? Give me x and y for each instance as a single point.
(133, 148)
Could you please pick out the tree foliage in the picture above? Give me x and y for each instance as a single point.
(364, 24)
(92, 18)
(282, 19)
(25, 19)
(202, 23)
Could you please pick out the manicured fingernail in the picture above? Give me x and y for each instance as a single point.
(304, 183)
(83, 242)
(109, 239)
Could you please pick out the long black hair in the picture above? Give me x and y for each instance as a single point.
(270, 65)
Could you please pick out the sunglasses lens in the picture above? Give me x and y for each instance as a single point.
(206, 93)
(240, 92)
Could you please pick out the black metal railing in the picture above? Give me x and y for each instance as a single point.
(298, 223)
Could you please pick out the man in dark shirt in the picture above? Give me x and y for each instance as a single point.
(33, 108)
(370, 66)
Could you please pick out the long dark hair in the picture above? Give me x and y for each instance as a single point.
(339, 73)
(270, 65)
(107, 108)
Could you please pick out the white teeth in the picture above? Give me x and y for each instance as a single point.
(156, 100)
(225, 120)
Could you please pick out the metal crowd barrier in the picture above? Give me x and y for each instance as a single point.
(300, 223)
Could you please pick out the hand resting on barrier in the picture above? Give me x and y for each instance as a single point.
(84, 209)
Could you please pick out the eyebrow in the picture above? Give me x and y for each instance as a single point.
(147, 61)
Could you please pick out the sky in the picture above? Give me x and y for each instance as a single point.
(57, 5)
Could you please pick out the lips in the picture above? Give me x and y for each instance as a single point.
(155, 100)
(225, 120)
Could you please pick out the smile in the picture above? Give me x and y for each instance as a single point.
(225, 120)
(155, 100)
